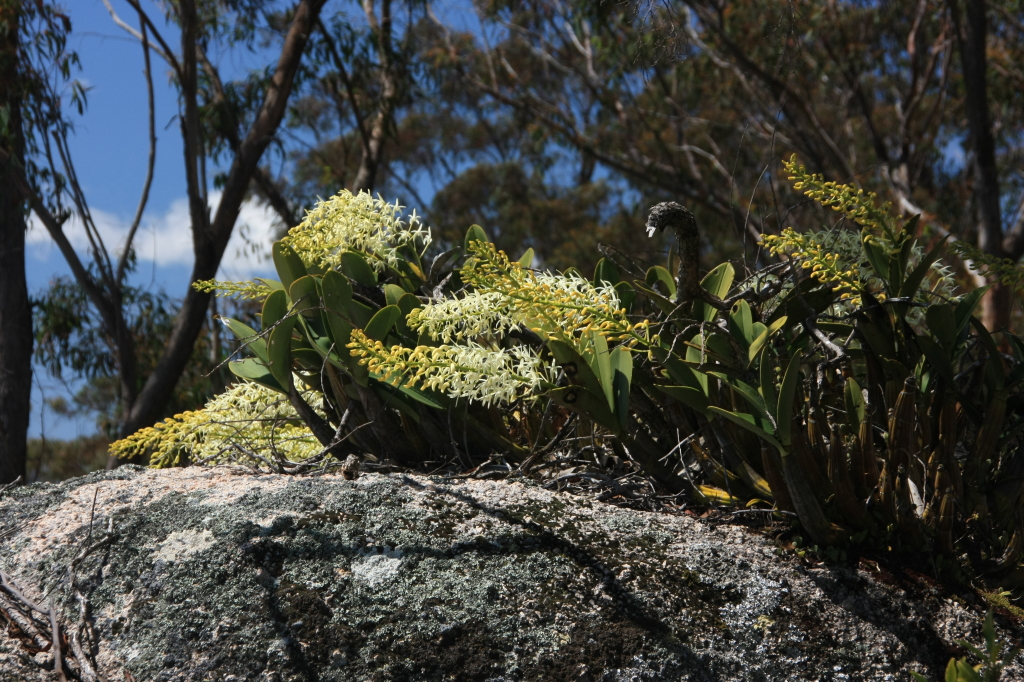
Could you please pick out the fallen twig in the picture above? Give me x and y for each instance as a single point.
(8, 584)
(24, 623)
(18, 609)
(579, 474)
(90, 549)
(85, 668)
(10, 485)
(472, 473)
(9, 531)
(82, 654)
(58, 663)
(92, 513)
(551, 445)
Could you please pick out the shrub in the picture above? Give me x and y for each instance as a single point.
(847, 386)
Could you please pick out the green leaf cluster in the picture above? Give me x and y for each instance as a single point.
(992, 659)
(891, 423)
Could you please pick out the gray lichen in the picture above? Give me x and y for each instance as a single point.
(218, 576)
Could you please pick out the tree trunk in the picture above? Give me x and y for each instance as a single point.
(373, 143)
(15, 309)
(972, 41)
(15, 335)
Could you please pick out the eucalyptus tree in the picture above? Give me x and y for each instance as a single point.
(15, 310)
(387, 112)
(362, 79)
(698, 100)
(211, 233)
(55, 194)
(33, 38)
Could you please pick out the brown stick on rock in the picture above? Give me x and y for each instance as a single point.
(669, 214)
(24, 623)
(58, 658)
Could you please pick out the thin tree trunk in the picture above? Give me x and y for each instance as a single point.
(971, 39)
(15, 309)
(373, 144)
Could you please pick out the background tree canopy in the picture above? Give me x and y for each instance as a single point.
(553, 125)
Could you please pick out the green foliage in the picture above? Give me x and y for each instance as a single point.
(889, 420)
(924, 457)
(66, 336)
(58, 460)
(71, 337)
(992, 660)
(1006, 271)
(356, 276)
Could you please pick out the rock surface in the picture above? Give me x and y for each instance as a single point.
(215, 575)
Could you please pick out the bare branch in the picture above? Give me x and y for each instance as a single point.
(123, 260)
(784, 94)
(265, 186)
(339, 64)
(163, 50)
(55, 228)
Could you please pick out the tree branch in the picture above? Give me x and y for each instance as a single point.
(123, 260)
(373, 149)
(265, 186)
(779, 89)
(264, 183)
(339, 64)
(164, 50)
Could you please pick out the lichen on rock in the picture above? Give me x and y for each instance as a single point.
(216, 575)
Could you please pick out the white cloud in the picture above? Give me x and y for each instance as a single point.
(167, 239)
